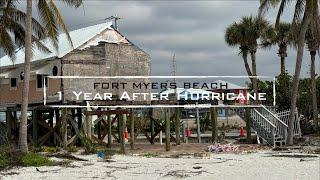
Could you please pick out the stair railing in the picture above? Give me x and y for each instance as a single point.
(281, 127)
(264, 123)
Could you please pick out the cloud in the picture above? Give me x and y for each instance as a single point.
(193, 30)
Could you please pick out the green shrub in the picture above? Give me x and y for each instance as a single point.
(33, 159)
(51, 149)
(4, 162)
(36, 149)
(89, 146)
(150, 155)
(72, 149)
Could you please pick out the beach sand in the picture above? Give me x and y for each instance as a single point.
(244, 166)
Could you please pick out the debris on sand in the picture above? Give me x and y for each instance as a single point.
(66, 156)
(222, 148)
(183, 173)
(295, 155)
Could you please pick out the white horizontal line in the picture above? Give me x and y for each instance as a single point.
(149, 77)
(156, 106)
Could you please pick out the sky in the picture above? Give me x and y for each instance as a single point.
(193, 30)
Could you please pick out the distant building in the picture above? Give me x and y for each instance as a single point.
(227, 87)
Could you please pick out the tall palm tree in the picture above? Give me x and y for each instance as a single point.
(313, 42)
(246, 34)
(52, 20)
(12, 23)
(305, 13)
(283, 37)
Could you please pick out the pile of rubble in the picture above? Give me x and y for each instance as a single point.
(222, 148)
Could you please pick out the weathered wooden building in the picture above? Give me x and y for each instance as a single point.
(98, 50)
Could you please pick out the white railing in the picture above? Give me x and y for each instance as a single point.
(265, 124)
(281, 127)
(285, 116)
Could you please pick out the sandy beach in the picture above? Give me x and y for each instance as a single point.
(258, 165)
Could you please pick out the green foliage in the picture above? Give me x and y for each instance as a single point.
(4, 162)
(304, 102)
(246, 32)
(283, 94)
(205, 123)
(283, 89)
(37, 148)
(150, 154)
(33, 159)
(72, 149)
(51, 149)
(89, 146)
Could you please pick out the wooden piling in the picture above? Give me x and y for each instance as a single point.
(88, 126)
(35, 127)
(131, 129)
(109, 131)
(198, 125)
(122, 123)
(64, 132)
(9, 124)
(167, 123)
(177, 125)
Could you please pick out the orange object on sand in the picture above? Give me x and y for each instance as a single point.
(126, 134)
(241, 132)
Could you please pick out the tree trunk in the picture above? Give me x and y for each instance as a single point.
(246, 64)
(23, 144)
(314, 89)
(295, 86)
(283, 66)
(213, 114)
(254, 73)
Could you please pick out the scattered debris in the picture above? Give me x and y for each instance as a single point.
(202, 155)
(222, 148)
(197, 167)
(66, 156)
(295, 155)
(183, 173)
(46, 171)
(301, 160)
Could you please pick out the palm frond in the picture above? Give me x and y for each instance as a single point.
(74, 3)
(60, 21)
(6, 43)
(265, 6)
(280, 12)
(298, 12)
(36, 42)
(48, 19)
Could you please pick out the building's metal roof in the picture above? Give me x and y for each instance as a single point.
(189, 91)
(79, 38)
(230, 85)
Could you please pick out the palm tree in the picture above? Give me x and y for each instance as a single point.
(51, 19)
(12, 23)
(245, 34)
(282, 38)
(305, 13)
(312, 41)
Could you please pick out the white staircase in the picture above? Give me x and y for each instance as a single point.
(271, 126)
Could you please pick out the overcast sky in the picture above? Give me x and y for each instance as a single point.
(193, 30)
